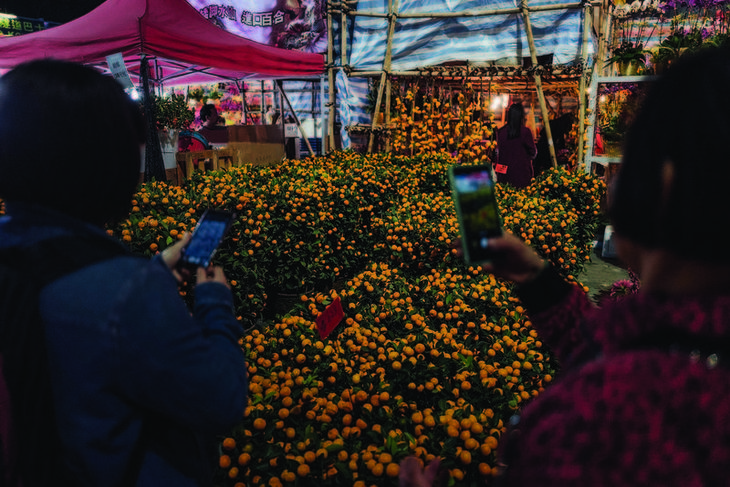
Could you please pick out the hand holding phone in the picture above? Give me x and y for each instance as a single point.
(476, 208)
(207, 236)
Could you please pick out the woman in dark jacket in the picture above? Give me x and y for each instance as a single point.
(139, 387)
(515, 150)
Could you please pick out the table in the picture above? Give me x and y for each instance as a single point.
(219, 159)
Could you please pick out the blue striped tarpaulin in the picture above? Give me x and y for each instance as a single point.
(352, 102)
(432, 41)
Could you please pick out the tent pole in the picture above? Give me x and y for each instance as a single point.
(294, 114)
(330, 81)
(262, 114)
(392, 16)
(244, 105)
(154, 167)
(239, 86)
(277, 94)
(322, 116)
(538, 82)
(587, 26)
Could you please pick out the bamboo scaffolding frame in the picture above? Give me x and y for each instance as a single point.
(441, 71)
(587, 27)
(387, 111)
(603, 37)
(343, 38)
(538, 83)
(556, 77)
(392, 9)
(463, 13)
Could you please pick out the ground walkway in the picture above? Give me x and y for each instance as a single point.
(600, 273)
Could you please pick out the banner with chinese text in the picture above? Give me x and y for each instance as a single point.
(19, 25)
(288, 24)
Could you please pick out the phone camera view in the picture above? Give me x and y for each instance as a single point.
(479, 212)
(204, 242)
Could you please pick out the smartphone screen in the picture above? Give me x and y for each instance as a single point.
(476, 207)
(207, 236)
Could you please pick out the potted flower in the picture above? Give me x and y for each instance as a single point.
(677, 43)
(172, 115)
(629, 58)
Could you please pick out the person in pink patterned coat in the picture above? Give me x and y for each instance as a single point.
(643, 395)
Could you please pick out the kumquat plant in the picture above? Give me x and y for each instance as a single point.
(430, 357)
(426, 123)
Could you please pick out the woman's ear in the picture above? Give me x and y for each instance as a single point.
(629, 252)
(667, 175)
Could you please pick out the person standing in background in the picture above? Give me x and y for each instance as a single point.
(560, 128)
(515, 150)
(212, 129)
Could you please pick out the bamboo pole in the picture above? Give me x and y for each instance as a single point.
(343, 38)
(387, 112)
(587, 26)
(331, 82)
(538, 82)
(294, 114)
(603, 38)
(376, 114)
(471, 12)
(451, 71)
(392, 8)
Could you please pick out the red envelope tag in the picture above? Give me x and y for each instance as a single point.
(500, 168)
(330, 318)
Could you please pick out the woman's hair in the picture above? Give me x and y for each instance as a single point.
(70, 140)
(206, 111)
(682, 129)
(515, 120)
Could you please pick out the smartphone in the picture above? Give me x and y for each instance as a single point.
(207, 236)
(475, 201)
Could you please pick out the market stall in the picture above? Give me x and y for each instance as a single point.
(162, 42)
(535, 43)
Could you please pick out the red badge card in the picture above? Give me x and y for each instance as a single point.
(330, 318)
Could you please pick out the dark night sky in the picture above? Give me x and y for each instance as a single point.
(60, 11)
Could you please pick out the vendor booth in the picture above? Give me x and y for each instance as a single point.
(162, 42)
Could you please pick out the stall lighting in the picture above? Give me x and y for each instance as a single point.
(498, 102)
(8, 16)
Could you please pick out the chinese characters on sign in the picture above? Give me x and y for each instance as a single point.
(16, 26)
(224, 11)
(119, 70)
(262, 19)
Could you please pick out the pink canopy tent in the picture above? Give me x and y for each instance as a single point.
(162, 41)
(181, 46)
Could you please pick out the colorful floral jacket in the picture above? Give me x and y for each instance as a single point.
(141, 385)
(643, 398)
